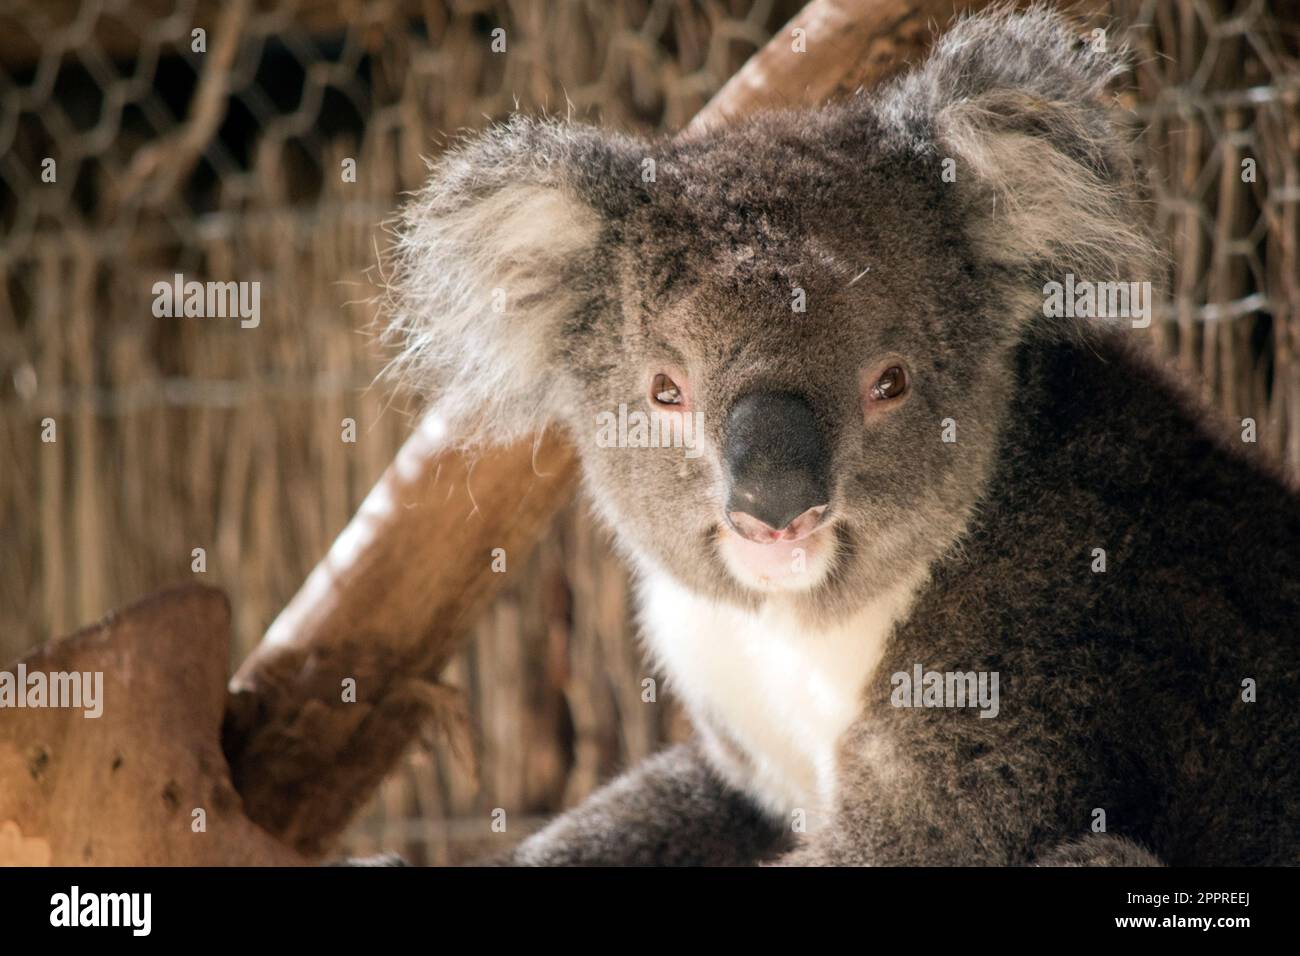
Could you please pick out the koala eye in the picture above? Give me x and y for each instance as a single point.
(665, 391)
(891, 384)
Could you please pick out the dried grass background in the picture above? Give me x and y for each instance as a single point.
(175, 434)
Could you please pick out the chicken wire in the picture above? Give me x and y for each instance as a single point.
(229, 162)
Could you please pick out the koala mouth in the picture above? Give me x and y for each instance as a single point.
(779, 565)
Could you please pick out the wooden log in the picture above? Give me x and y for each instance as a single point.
(144, 783)
(397, 593)
(384, 611)
(847, 45)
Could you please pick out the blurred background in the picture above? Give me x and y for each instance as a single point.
(233, 163)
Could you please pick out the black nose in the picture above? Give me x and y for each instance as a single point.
(776, 458)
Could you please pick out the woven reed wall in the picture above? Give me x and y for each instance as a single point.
(175, 434)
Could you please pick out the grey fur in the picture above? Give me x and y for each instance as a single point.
(1098, 849)
(1121, 691)
(672, 810)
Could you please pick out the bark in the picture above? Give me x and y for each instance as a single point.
(123, 788)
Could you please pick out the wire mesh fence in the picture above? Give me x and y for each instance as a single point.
(267, 142)
(1217, 88)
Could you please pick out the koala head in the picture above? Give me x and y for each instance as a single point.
(806, 301)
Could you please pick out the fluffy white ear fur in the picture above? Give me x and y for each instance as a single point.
(1046, 208)
(481, 281)
(1016, 100)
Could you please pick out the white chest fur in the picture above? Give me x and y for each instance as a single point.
(784, 692)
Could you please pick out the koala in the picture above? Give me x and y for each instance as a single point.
(945, 576)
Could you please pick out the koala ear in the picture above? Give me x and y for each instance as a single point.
(1015, 99)
(495, 257)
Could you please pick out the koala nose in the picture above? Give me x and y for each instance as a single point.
(747, 526)
(778, 467)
